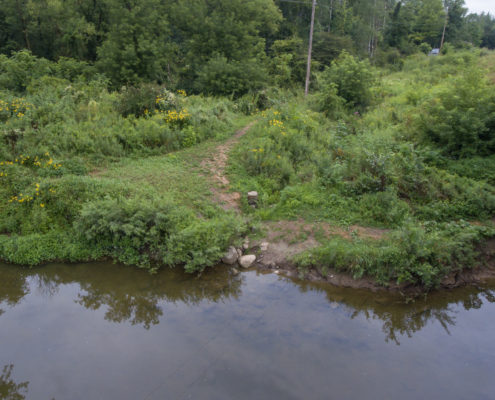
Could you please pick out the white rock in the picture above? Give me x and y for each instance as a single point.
(247, 261)
(239, 252)
(231, 256)
(264, 246)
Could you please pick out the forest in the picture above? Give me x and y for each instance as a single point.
(109, 109)
(226, 47)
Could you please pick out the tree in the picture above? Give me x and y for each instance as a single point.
(137, 45)
(226, 34)
(456, 17)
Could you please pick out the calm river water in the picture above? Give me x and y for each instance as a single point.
(103, 331)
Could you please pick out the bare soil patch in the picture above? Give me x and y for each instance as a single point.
(216, 164)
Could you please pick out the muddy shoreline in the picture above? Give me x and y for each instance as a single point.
(278, 256)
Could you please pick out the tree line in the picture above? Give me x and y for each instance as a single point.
(231, 46)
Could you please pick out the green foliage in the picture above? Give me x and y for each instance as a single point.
(459, 116)
(349, 79)
(137, 232)
(287, 62)
(138, 100)
(411, 255)
(17, 72)
(60, 131)
(36, 248)
(224, 51)
(136, 46)
(23, 69)
(221, 77)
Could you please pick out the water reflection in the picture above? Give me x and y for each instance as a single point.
(128, 294)
(13, 286)
(9, 389)
(400, 318)
(131, 295)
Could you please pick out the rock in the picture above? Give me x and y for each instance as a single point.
(264, 246)
(252, 198)
(235, 271)
(231, 256)
(245, 245)
(247, 261)
(334, 305)
(239, 252)
(449, 280)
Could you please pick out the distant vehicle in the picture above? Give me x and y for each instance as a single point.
(434, 52)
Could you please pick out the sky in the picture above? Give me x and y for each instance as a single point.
(478, 6)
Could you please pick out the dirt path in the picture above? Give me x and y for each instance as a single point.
(216, 165)
(283, 239)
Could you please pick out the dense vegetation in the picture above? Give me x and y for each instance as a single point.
(107, 108)
(231, 46)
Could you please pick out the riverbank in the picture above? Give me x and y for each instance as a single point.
(361, 195)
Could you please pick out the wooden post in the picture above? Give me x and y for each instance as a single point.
(308, 68)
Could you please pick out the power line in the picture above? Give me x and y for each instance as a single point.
(303, 2)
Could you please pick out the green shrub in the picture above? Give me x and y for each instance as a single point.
(18, 71)
(140, 232)
(459, 116)
(411, 255)
(383, 207)
(220, 76)
(138, 100)
(349, 79)
(37, 248)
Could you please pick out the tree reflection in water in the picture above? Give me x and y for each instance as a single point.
(134, 296)
(9, 389)
(399, 318)
(129, 294)
(13, 286)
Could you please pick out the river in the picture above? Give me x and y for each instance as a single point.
(105, 331)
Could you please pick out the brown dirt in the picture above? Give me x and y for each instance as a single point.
(289, 238)
(216, 165)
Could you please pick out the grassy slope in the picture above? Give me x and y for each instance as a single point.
(424, 205)
(336, 175)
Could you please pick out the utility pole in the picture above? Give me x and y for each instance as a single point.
(444, 26)
(308, 68)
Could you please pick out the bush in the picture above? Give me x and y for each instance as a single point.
(352, 80)
(412, 255)
(220, 76)
(459, 116)
(138, 100)
(140, 232)
(18, 71)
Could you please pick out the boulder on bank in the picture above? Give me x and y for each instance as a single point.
(247, 261)
(231, 256)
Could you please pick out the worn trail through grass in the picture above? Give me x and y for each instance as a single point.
(215, 165)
